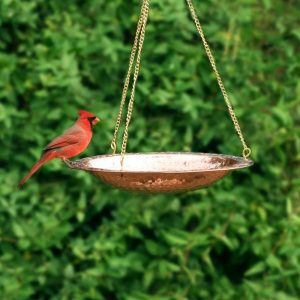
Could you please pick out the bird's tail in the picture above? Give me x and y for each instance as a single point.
(45, 157)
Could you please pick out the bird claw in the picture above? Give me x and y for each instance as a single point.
(69, 163)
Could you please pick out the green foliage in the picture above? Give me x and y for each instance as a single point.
(66, 236)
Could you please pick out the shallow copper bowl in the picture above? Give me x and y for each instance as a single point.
(161, 172)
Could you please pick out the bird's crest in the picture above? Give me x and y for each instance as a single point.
(85, 114)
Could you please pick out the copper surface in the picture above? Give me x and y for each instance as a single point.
(161, 172)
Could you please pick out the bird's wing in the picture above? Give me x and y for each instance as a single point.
(70, 137)
(62, 141)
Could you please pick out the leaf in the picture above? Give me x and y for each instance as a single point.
(256, 269)
(176, 238)
(155, 248)
(18, 230)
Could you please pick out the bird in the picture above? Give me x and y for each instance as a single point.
(71, 143)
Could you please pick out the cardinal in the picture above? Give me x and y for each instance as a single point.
(71, 143)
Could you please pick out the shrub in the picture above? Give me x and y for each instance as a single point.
(66, 236)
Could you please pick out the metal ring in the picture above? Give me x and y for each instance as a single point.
(113, 147)
(246, 152)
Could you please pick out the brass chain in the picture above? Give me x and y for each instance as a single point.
(127, 79)
(246, 149)
(137, 46)
(144, 17)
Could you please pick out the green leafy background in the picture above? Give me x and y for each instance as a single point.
(67, 236)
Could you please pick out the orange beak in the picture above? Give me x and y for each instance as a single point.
(94, 122)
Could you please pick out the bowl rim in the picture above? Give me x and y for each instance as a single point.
(241, 162)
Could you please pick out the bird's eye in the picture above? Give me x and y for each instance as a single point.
(91, 118)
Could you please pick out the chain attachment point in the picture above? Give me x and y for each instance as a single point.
(113, 147)
(246, 152)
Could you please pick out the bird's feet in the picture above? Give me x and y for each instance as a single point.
(68, 162)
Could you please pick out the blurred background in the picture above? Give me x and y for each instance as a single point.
(67, 236)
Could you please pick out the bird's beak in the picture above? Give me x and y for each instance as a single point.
(95, 121)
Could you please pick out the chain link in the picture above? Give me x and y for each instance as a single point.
(246, 149)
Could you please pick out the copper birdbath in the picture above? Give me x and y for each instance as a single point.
(161, 172)
(167, 171)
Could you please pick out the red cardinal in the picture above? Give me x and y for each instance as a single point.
(71, 143)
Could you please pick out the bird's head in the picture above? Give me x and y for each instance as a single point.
(91, 118)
